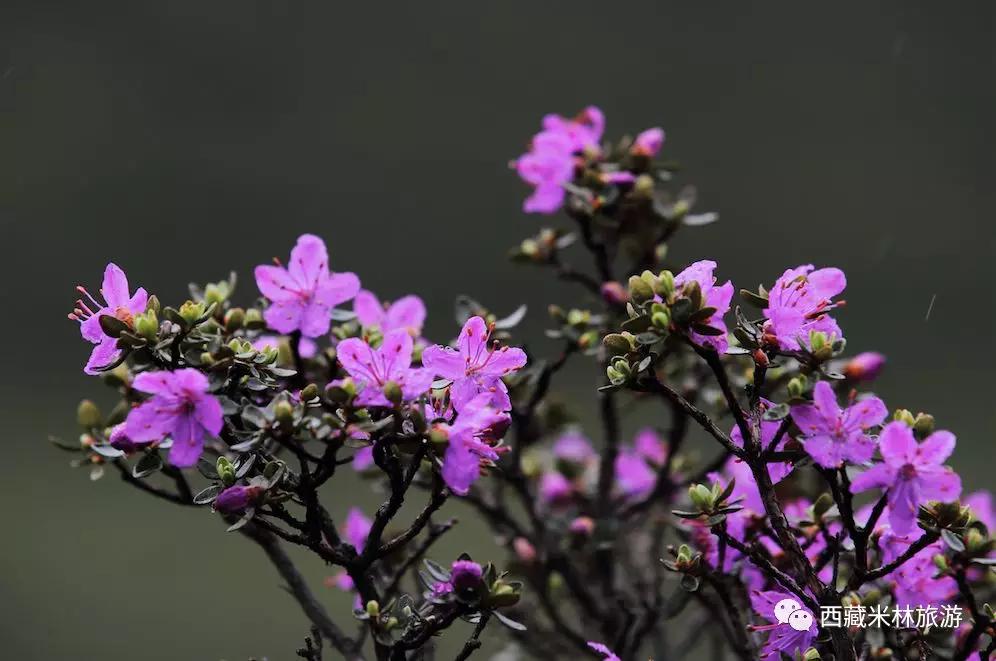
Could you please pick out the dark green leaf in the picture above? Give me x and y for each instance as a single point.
(207, 495)
(147, 465)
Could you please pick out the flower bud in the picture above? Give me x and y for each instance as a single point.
(614, 293)
(309, 393)
(644, 186)
(684, 554)
(190, 312)
(153, 304)
(865, 366)
(373, 608)
(639, 291)
(974, 540)
(904, 415)
(701, 496)
(393, 392)
(237, 499)
(940, 562)
(923, 425)
(660, 320)
(811, 655)
(284, 412)
(254, 319)
(87, 414)
(503, 595)
(525, 551)
(147, 325)
(582, 526)
(796, 386)
(234, 319)
(665, 284)
(226, 470)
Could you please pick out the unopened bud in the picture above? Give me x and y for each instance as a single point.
(796, 386)
(940, 562)
(904, 415)
(811, 655)
(254, 319)
(614, 293)
(644, 186)
(153, 304)
(701, 496)
(639, 291)
(393, 392)
(87, 414)
(147, 325)
(373, 608)
(524, 549)
(923, 425)
(234, 319)
(684, 554)
(284, 412)
(226, 470)
(309, 392)
(190, 312)
(660, 320)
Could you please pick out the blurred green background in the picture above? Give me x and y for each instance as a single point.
(182, 139)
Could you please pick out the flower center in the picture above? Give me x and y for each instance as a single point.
(907, 472)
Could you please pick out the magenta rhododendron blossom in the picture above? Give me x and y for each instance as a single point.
(303, 294)
(648, 143)
(118, 303)
(792, 626)
(574, 447)
(981, 504)
(912, 472)
(180, 407)
(547, 167)
(800, 302)
(916, 583)
(555, 489)
(601, 648)
(650, 446)
(475, 366)
(374, 368)
(584, 131)
(471, 436)
(407, 313)
(633, 475)
(832, 435)
(356, 528)
(713, 297)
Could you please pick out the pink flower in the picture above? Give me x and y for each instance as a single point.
(633, 475)
(555, 489)
(916, 581)
(474, 367)
(478, 425)
(713, 297)
(356, 527)
(180, 407)
(650, 446)
(547, 167)
(118, 303)
(303, 294)
(981, 504)
(800, 303)
(792, 627)
(584, 131)
(407, 313)
(374, 368)
(911, 472)
(363, 458)
(833, 435)
(573, 447)
(648, 143)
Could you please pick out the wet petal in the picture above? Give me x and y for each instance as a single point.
(275, 283)
(897, 444)
(368, 309)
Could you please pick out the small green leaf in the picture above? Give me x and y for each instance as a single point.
(953, 541)
(147, 465)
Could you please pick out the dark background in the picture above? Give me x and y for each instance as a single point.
(182, 139)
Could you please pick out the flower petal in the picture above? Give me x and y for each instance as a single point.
(315, 320)
(935, 449)
(865, 413)
(102, 355)
(115, 287)
(337, 288)
(407, 312)
(275, 283)
(444, 362)
(941, 484)
(284, 316)
(897, 444)
(309, 262)
(368, 310)
(826, 401)
(473, 341)
(877, 477)
(149, 422)
(188, 441)
(208, 414)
